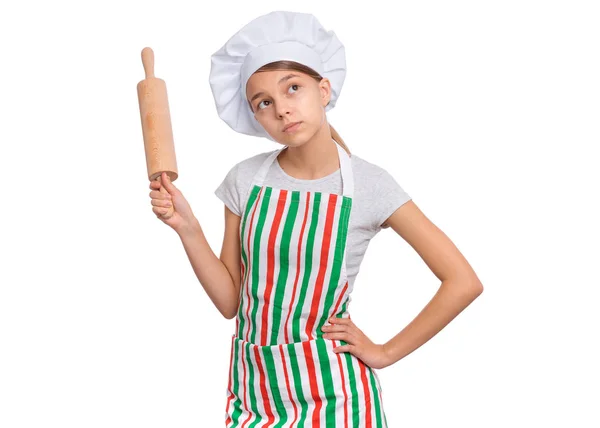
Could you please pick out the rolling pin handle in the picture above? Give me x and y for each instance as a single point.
(148, 61)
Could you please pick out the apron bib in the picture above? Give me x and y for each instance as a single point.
(282, 372)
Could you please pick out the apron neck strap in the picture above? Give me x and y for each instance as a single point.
(345, 169)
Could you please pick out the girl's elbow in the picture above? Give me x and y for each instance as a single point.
(476, 288)
(228, 314)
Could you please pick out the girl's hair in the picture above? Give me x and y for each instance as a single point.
(295, 66)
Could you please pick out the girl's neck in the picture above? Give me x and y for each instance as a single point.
(310, 161)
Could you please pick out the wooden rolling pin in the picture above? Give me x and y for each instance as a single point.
(156, 125)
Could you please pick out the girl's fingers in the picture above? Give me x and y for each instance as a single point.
(160, 211)
(339, 336)
(155, 194)
(161, 200)
(161, 203)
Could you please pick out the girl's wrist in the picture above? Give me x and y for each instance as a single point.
(189, 230)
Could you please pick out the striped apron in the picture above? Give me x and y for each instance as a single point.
(282, 372)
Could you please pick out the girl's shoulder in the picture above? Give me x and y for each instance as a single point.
(238, 179)
(368, 172)
(244, 169)
(378, 191)
(252, 163)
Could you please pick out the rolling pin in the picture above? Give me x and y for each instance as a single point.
(156, 125)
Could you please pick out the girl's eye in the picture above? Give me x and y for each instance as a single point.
(258, 105)
(266, 101)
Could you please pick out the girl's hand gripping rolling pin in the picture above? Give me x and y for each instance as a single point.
(169, 205)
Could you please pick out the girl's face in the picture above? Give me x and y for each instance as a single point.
(282, 97)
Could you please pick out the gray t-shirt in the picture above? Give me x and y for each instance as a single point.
(376, 196)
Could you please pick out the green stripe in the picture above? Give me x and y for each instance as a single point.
(250, 203)
(376, 397)
(329, 390)
(355, 397)
(298, 382)
(250, 386)
(346, 208)
(274, 386)
(284, 267)
(308, 266)
(352, 377)
(343, 308)
(256, 252)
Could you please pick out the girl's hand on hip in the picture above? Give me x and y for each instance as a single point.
(358, 343)
(165, 195)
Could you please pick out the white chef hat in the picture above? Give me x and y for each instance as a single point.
(276, 36)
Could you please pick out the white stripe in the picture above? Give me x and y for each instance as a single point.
(288, 286)
(330, 265)
(277, 260)
(262, 271)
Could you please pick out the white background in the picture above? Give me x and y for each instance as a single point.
(486, 113)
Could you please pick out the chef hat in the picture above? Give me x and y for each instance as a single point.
(276, 36)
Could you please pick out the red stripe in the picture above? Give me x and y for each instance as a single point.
(287, 383)
(298, 268)
(229, 383)
(314, 306)
(314, 387)
(237, 319)
(271, 267)
(339, 300)
(368, 403)
(263, 389)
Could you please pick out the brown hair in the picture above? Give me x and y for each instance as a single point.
(295, 66)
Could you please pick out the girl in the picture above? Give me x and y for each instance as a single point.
(298, 220)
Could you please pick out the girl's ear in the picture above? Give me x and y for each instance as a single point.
(325, 88)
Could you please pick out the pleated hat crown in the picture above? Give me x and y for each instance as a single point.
(276, 36)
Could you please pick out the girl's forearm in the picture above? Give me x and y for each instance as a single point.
(210, 271)
(451, 299)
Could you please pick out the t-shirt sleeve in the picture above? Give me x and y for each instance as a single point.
(389, 196)
(228, 191)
